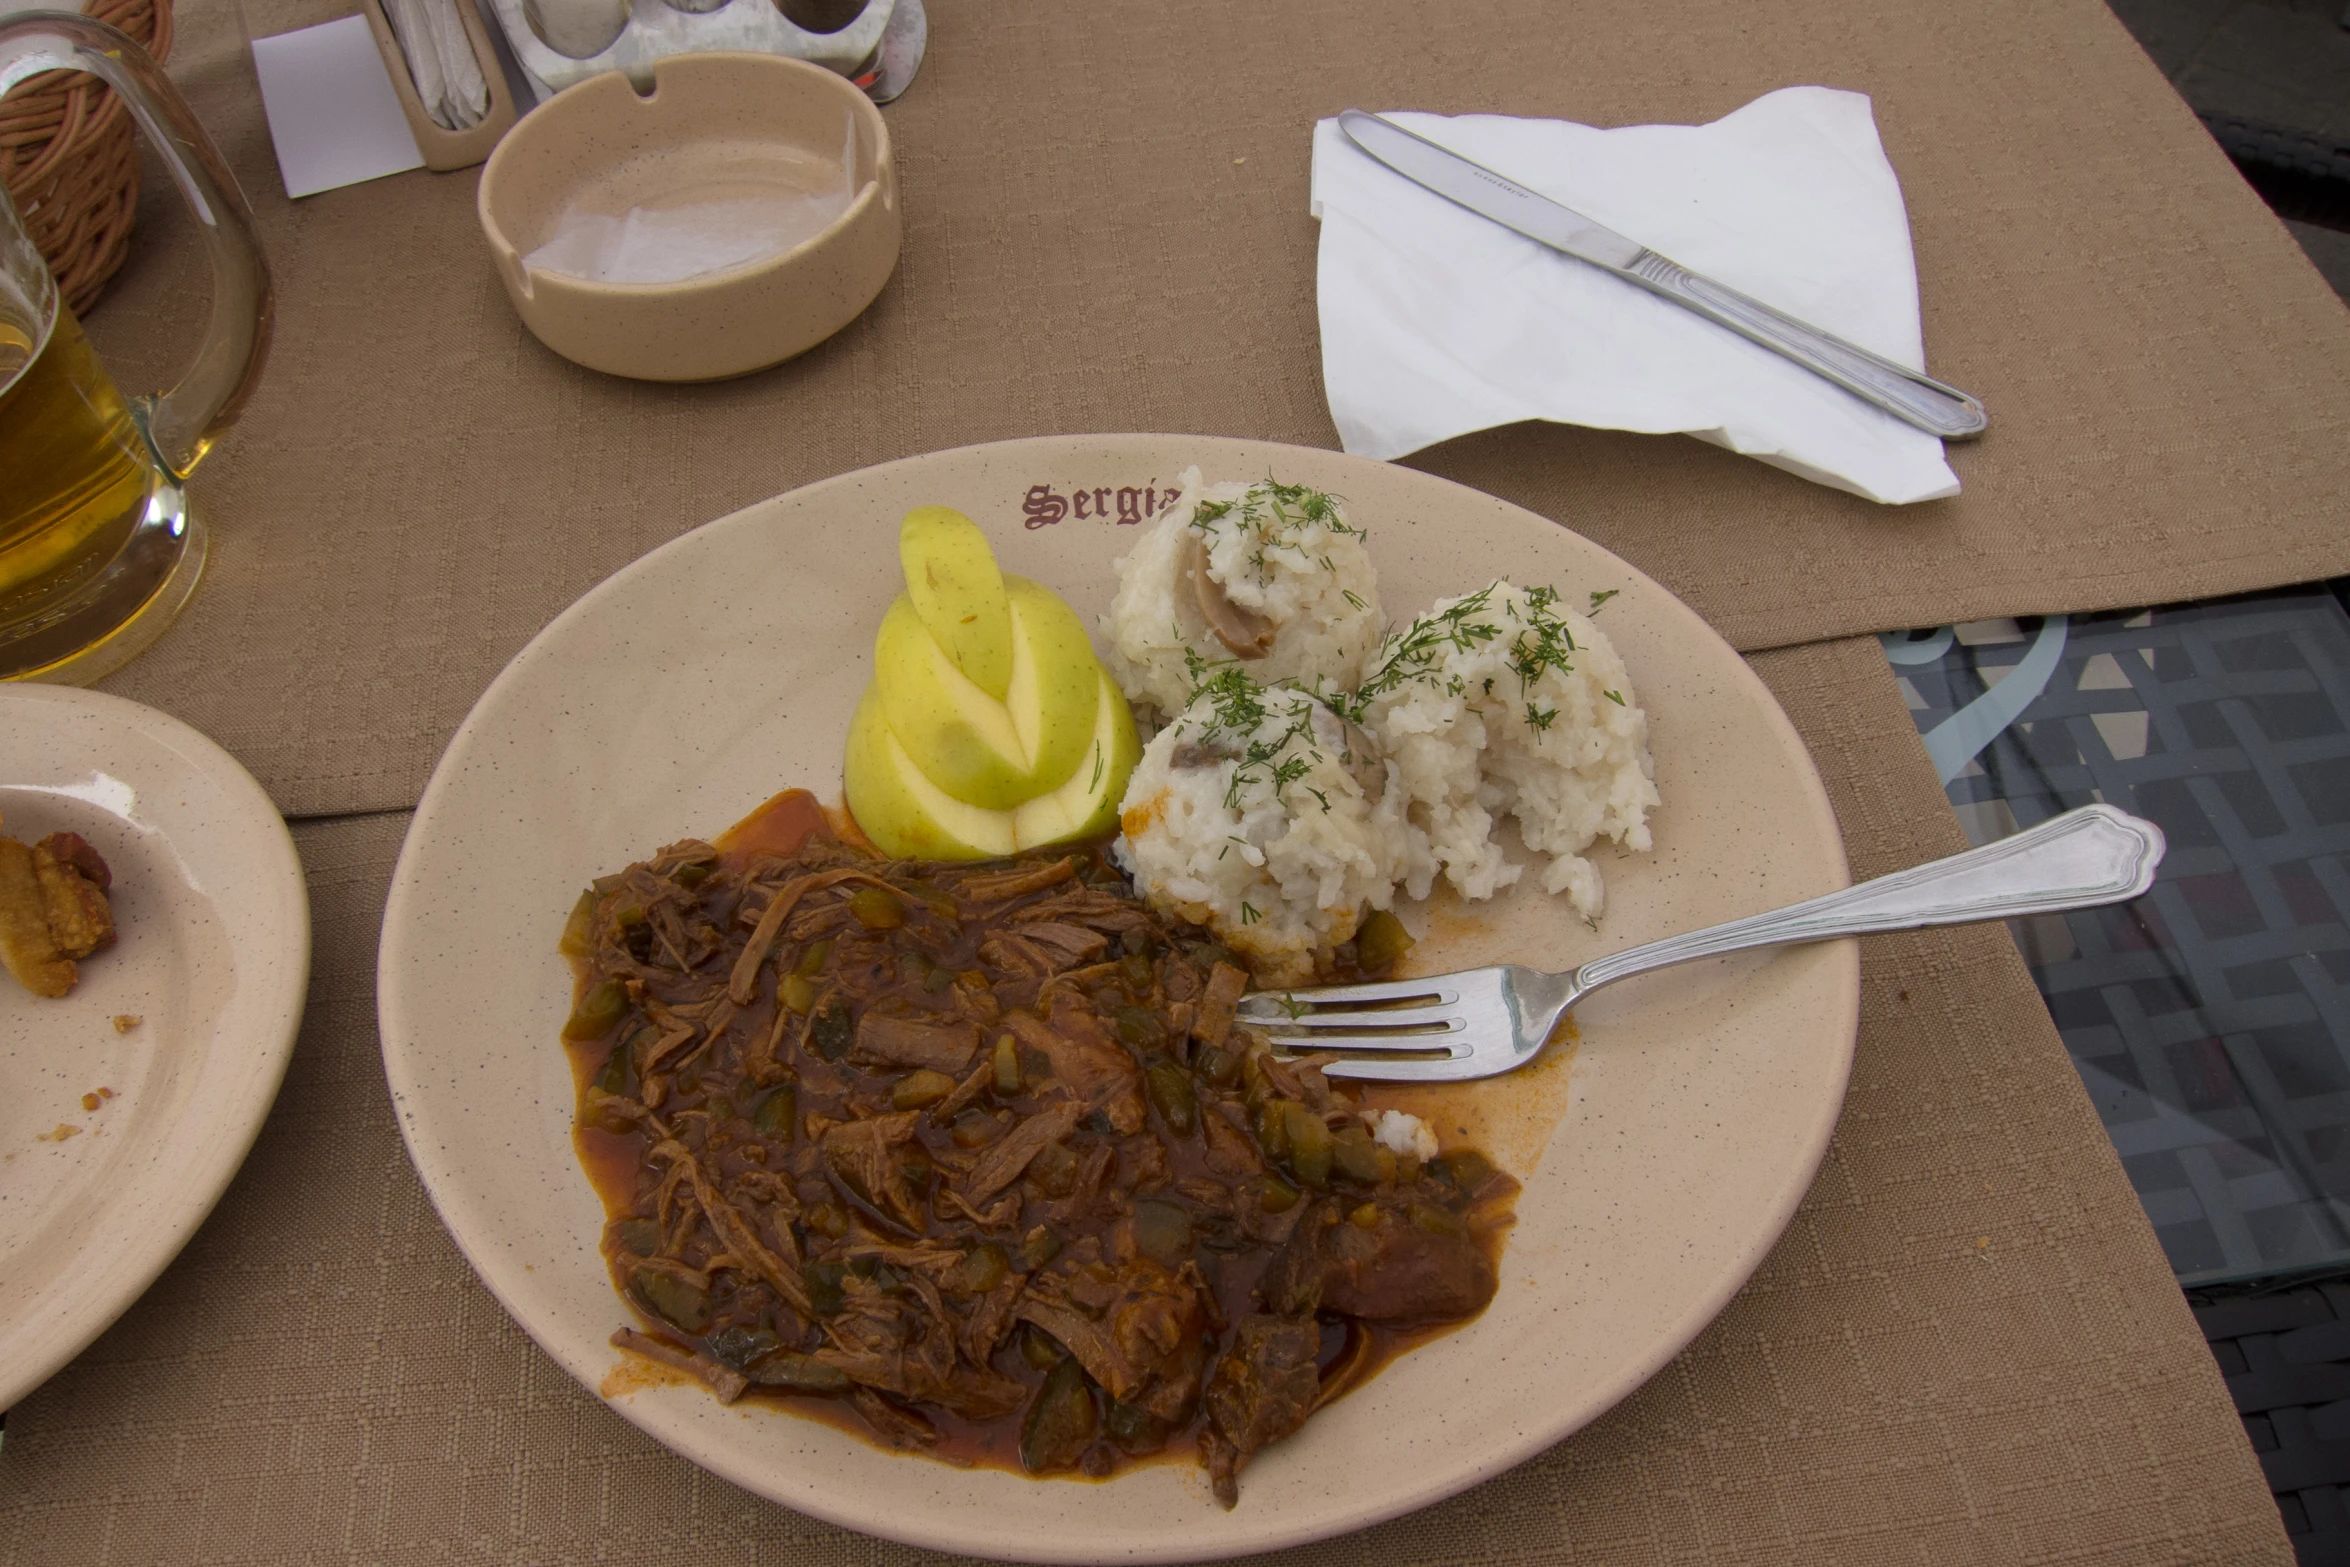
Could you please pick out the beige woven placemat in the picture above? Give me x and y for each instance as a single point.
(1107, 230)
(1967, 1348)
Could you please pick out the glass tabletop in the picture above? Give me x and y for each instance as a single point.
(2209, 1020)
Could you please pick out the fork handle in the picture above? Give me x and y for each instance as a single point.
(2084, 858)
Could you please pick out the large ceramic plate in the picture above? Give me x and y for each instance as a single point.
(213, 954)
(1661, 1160)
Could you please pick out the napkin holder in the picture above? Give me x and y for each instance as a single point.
(445, 149)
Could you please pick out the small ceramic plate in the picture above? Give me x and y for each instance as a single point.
(213, 955)
(1662, 1156)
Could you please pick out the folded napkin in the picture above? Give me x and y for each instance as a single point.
(1436, 322)
(448, 78)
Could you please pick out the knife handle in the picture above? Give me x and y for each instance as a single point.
(1904, 393)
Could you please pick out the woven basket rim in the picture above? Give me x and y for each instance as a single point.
(69, 160)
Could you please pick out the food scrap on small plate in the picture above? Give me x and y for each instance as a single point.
(53, 910)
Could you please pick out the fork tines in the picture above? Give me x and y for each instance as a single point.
(1271, 1005)
(1414, 1017)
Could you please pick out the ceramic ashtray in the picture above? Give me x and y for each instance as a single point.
(738, 214)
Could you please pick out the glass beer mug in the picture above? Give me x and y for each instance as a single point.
(98, 550)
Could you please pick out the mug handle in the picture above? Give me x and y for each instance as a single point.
(181, 424)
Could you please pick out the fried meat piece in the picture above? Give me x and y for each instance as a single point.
(53, 910)
(1263, 1388)
(1391, 1270)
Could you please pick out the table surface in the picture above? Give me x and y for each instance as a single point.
(2210, 1021)
(1967, 1346)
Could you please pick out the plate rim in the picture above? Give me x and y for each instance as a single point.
(186, 1196)
(393, 1037)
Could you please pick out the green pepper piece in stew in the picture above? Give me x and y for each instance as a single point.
(1060, 1422)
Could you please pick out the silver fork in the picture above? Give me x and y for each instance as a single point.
(1481, 1022)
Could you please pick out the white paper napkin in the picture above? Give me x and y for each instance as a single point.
(448, 78)
(1436, 322)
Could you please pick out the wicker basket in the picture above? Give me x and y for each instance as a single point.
(71, 161)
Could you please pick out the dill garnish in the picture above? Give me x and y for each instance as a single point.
(1313, 506)
(1601, 597)
(1238, 714)
(1546, 641)
(1412, 653)
(1196, 666)
(1538, 639)
(1274, 516)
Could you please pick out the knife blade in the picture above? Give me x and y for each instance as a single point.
(1909, 396)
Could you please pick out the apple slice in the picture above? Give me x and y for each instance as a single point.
(1087, 805)
(951, 576)
(907, 815)
(977, 749)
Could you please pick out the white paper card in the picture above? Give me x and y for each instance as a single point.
(333, 114)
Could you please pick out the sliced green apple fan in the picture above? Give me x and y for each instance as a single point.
(990, 726)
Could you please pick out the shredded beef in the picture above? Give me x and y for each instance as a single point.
(979, 1153)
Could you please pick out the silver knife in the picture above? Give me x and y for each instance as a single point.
(1904, 393)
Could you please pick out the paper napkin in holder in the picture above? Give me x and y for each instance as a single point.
(448, 78)
(1436, 322)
